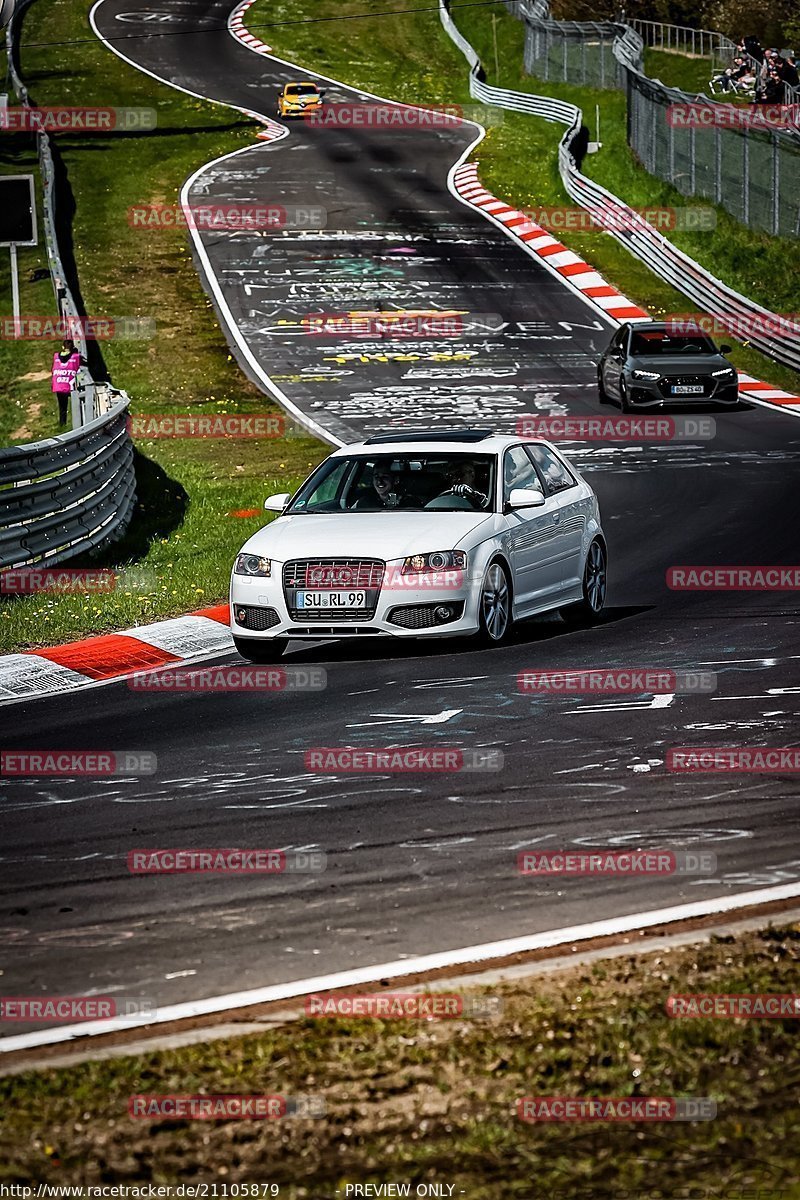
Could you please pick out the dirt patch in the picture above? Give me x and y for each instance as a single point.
(33, 414)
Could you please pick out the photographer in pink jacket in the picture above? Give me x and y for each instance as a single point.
(66, 362)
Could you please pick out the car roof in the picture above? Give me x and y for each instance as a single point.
(493, 443)
(666, 327)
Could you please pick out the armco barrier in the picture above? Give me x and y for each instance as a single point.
(68, 494)
(75, 492)
(640, 238)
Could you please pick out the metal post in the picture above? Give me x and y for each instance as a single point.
(746, 179)
(718, 164)
(14, 288)
(776, 185)
(692, 160)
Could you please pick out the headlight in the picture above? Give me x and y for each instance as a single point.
(646, 375)
(251, 564)
(439, 560)
(729, 371)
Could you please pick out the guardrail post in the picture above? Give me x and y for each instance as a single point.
(718, 164)
(776, 185)
(746, 178)
(692, 159)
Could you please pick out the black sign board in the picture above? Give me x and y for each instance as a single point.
(17, 211)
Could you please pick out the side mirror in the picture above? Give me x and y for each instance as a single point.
(725, 349)
(525, 498)
(277, 503)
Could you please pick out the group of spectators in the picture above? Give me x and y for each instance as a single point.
(759, 72)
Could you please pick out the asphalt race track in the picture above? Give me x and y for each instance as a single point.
(416, 863)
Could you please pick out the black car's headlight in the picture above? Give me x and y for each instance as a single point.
(439, 560)
(253, 565)
(725, 373)
(637, 374)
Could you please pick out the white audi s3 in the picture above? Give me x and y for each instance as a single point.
(421, 533)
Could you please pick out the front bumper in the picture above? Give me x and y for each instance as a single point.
(656, 393)
(259, 610)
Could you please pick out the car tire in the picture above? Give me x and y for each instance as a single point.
(624, 402)
(589, 608)
(266, 651)
(602, 394)
(495, 618)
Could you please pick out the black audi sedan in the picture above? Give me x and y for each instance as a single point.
(650, 365)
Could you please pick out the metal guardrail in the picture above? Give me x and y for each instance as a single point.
(75, 492)
(639, 237)
(69, 494)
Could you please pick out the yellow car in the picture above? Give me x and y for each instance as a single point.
(299, 98)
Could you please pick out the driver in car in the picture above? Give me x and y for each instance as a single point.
(462, 477)
(387, 486)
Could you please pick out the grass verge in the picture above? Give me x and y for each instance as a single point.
(182, 540)
(435, 1100)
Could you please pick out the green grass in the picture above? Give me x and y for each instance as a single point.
(182, 541)
(679, 70)
(434, 1101)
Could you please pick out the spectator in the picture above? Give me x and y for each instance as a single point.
(791, 76)
(66, 362)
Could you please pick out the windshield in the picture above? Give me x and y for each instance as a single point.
(302, 89)
(652, 343)
(399, 482)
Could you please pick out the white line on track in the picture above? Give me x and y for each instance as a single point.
(406, 966)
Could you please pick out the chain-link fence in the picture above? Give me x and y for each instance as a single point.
(753, 173)
(577, 52)
(746, 159)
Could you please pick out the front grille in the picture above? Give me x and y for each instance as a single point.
(420, 616)
(333, 574)
(250, 617)
(336, 574)
(665, 385)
